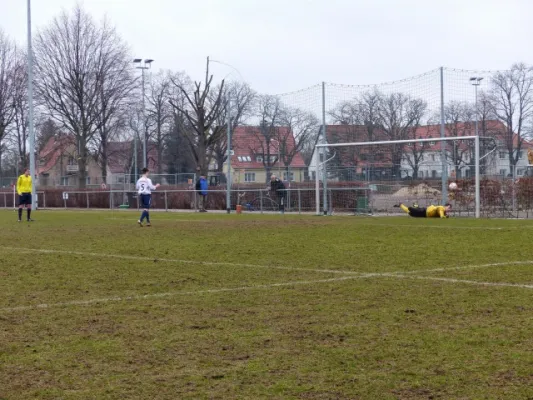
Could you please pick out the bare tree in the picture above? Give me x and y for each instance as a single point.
(301, 128)
(359, 119)
(202, 110)
(414, 155)
(159, 114)
(398, 116)
(8, 66)
(116, 84)
(177, 153)
(240, 98)
(458, 117)
(264, 141)
(20, 130)
(511, 98)
(80, 65)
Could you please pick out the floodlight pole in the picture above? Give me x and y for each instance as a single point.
(144, 65)
(443, 147)
(478, 191)
(228, 174)
(324, 171)
(30, 113)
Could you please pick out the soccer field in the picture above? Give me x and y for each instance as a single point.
(254, 306)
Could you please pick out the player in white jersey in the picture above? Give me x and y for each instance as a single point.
(144, 189)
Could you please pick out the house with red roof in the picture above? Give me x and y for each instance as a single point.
(418, 160)
(258, 154)
(58, 166)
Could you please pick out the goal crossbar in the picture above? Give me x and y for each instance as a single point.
(384, 142)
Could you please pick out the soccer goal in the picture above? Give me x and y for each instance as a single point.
(423, 171)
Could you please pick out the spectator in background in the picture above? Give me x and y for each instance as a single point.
(277, 186)
(201, 188)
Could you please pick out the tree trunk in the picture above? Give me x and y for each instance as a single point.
(82, 174)
(104, 161)
(82, 163)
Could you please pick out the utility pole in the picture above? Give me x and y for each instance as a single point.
(30, 113)
(228, 174)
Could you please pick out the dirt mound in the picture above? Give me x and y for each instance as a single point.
(421, 190)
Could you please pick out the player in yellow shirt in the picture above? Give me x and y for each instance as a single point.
(24, 186)
(429, 212)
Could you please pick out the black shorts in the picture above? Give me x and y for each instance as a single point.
(25, 199)
(145, 200)
(417, 212)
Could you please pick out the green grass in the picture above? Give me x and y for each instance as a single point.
(251, 306)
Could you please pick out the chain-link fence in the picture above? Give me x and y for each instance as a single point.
(500, 197)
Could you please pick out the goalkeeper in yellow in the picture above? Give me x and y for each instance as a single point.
(24, 191)
(427, 212)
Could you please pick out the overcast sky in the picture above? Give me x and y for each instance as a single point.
(284, 45)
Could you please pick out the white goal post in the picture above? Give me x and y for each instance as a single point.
(388, 142)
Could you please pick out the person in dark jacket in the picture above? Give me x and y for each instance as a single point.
(277, 186)
(201, 188)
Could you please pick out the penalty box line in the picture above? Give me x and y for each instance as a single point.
(182, 293)
(460, 281)
(255, 287)
(172, 260)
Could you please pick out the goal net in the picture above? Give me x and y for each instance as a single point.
(430, 170)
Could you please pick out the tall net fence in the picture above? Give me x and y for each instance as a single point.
(441, 102)
(444, 101)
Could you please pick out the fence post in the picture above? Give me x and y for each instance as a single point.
(261, 200)
(299, 201)
(110, 199)
(87, 196)
(166, 201)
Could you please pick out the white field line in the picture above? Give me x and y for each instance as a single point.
(490, 228)
(172, 260)
(465, 267)
(184, 293)
(461, 281)
(349, 275)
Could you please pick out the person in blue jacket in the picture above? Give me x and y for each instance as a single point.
(201, 188)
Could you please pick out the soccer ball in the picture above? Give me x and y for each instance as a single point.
(453, 186)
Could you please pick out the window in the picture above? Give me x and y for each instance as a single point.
(520, 172)
(239, 158)
(432, 143)
(313, 175)
(273, 159)
(421, 157)
(259, 159)
(409, 144)
(247, 158)
(249, 177)
(433, 157)
(88, 180)
(502, 155)
(503, 172)
(71, 161)
(289, 176)
(433, 174)
(520, 154)
(321, 158)
(64, 181)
